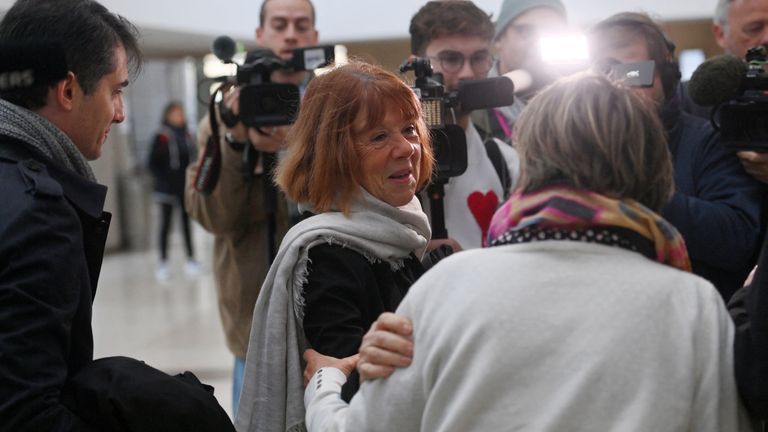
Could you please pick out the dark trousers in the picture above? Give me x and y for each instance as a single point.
(166, 214)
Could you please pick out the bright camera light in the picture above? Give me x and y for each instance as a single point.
(564, 49)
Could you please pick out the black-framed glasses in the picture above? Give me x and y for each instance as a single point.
(452, 61)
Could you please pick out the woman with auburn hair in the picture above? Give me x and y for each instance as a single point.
(356, 156)
(582, 315)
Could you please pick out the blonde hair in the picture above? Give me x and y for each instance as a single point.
(322, 164)
(590, 133)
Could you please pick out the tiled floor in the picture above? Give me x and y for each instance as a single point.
(172, 326)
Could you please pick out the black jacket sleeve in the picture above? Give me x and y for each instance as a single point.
(749, 310)
(335, 315)
(41, 263)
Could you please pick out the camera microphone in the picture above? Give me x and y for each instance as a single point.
(717, 80)
(24, 65)
(224, 48)
(485, 93)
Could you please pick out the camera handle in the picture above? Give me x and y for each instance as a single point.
(436, 193)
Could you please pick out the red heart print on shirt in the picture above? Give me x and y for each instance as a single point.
(483, 206)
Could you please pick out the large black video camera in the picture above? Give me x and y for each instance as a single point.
(438, 106)
(439, 110)
(744, 119)
(738, 91)
(262, 102)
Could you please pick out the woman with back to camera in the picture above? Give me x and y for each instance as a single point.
(356, 156)
(582, 315)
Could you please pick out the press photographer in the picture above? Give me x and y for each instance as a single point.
(716, 206)
(233, 210)
(456, 38)
(517, 39)
(735, 90)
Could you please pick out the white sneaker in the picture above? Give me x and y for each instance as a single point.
(192, 268)
(162, 274)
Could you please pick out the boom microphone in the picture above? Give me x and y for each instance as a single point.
(24, 65)
(485, 93)
(717, 80)
(224, 48)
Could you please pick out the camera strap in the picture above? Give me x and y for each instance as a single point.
(499, 164)
(209, 167)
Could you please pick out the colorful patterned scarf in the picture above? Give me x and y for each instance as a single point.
(570, 208)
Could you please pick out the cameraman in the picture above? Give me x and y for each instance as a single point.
(234, 211)
(716, 205)
(738, 25)
(519, 25)
(52, 223)
(456, 37)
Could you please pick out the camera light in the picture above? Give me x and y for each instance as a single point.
(432, 112)
(564, 49)
(213, 67)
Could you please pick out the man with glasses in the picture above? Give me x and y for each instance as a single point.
(456, 37)
(716, 206)
(517, 30)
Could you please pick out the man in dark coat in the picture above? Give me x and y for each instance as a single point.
(716, 206)
(52, 225)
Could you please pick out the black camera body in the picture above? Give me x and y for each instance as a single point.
(262, 102)
(744, 119)
(449, 143)
(448, 140)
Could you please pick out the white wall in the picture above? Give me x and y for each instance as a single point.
(347, 20)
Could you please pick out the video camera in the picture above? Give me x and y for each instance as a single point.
(449, 142)
(744, 119)
(738, 91)
(262, 102)
(448, 139)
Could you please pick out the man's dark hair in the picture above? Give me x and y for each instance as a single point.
(86, 31)
(445, 18)
(263, 12)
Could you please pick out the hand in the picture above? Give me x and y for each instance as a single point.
(387, 345)
(232, 102)
(436, 243)
(272, 142)
(316, 361)
(755, 164)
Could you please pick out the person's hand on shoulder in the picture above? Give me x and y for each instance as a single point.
(387, 345)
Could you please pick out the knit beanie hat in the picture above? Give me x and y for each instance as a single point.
(512, 9)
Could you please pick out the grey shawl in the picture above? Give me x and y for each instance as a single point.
(44, 136)
(272, 399)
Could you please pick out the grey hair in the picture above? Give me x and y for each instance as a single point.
(721, 14)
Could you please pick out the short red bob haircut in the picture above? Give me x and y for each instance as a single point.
(322, 164)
